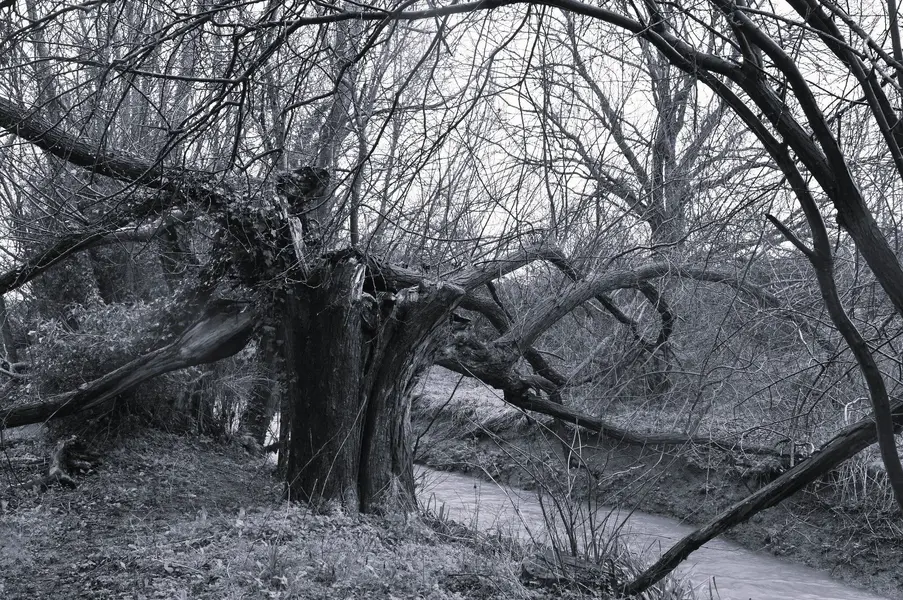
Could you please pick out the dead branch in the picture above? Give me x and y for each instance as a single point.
(50, 137)
(68, 454)
(221, 332)
(111, 229)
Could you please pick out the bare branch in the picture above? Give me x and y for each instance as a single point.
(841, 447)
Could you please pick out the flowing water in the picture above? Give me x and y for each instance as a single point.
(737, 573)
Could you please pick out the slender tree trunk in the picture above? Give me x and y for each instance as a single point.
(176, 257)
(263, 396)
(10, 352)
(841, 447)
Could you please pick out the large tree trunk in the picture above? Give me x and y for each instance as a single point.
(352, 358)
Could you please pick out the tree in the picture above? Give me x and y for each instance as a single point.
(320, 152)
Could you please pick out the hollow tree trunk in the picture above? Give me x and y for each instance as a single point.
(351, 359)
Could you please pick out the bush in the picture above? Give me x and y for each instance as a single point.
(107, 337)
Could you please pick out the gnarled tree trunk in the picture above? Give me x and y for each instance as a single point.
(351, 359)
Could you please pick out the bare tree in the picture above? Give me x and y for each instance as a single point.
(348, 171)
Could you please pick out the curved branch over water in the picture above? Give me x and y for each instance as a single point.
(842, 447)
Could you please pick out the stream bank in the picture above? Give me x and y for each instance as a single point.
(820, 527)
(729, 571)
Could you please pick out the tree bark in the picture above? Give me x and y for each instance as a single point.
(352, 358)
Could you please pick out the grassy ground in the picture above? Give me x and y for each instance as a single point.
(170, 517)
(164, 516)
(856, 535)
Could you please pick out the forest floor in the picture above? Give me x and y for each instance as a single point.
(164, 516)
(477, 433)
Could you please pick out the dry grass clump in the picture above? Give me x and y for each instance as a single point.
(290, 552)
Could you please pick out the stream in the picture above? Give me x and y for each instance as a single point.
(733, 572)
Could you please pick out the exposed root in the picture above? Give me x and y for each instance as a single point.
(68, 455)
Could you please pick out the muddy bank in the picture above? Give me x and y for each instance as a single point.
(853, 541)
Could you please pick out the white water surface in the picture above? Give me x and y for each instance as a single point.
(734, 572)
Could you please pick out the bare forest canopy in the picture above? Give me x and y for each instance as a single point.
(670, 224)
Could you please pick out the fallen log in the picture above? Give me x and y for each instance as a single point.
(844, 445)
(518, 392)
(221, 332)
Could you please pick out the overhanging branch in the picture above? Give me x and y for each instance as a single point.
(51, 138)
(521, 393)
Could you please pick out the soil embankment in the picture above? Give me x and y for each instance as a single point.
(820, 527)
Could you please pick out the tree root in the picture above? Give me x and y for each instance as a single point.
(69, 454)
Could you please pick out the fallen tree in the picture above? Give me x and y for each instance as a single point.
(222, 331)
(840, 448)
(522, 392)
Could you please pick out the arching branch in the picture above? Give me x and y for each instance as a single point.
(554, 309)
(567, 267)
